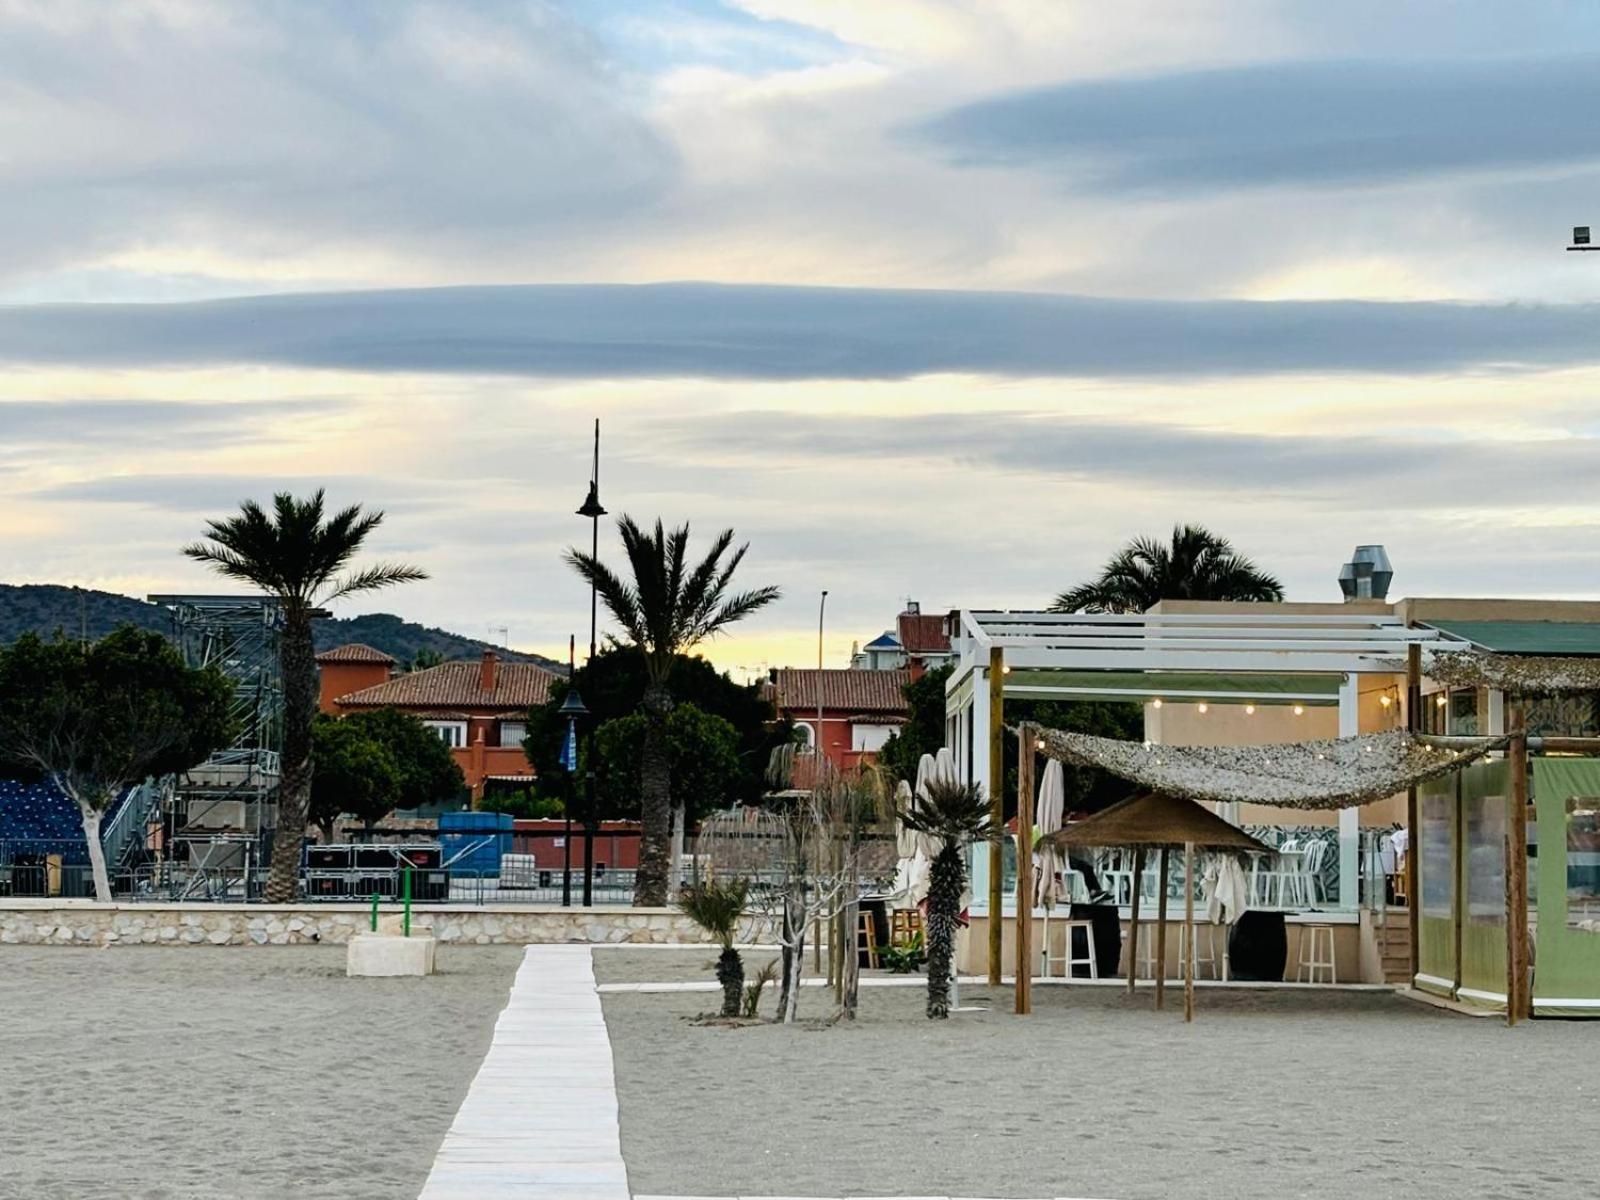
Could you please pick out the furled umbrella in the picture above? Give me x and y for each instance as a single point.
(1047, 860)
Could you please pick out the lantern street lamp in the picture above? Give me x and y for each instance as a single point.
(593, 510)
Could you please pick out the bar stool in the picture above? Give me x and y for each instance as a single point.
(1067, 958)
(867, 936)
(904, 924)
(1314, 939)
(1205, 952)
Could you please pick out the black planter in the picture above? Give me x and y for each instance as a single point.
(1258, 947)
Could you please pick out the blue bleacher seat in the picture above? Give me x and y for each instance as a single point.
(38, 817)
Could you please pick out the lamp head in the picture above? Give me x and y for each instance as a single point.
(591, 503)
(573, 705)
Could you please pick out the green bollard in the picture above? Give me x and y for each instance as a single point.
(374, 912)
(405, 887)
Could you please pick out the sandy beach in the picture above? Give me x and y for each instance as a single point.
(181, 1074)
(1267, 1095)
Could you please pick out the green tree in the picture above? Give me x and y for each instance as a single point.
(613, 686)
(956, 814)
(702, 750)
(296, 556)
(355, 773)
(716, 907)
(667, 609)
(429, 773)
(96, 720)
(1195, 565)
(923, 732)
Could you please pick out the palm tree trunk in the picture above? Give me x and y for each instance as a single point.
(655, 802)
(294, 773)
(946, 881)
(97, 852)
(730, 974)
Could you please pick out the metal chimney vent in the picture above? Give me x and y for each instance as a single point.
(1366, 576)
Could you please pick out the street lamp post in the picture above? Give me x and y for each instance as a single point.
(571, 708)
(594, 511)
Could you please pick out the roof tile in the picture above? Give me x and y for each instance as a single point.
(355, 652)
(455, 685)
(795, 690)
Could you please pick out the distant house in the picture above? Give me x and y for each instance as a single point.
(925, 640)
(350, 668)
(479, 708)
(860, 709)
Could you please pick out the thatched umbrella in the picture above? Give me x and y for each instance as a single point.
(1162, 822)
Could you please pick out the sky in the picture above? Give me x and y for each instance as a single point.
(939, 300)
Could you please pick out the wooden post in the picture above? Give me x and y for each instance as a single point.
(1024, 932)
(997, 807)
(1519, 998)
(1133, 920)
(1413, 812)
(1188, 934)
(1161, 929)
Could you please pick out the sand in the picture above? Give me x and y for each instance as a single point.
(175, 1074)
(668, 965)
(1267, 1095)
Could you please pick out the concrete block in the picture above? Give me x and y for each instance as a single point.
(374, 954)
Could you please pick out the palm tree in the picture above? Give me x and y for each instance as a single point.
(955, 813)
(716, 908)
(294, 555)
(667, 610)
(1196, 565)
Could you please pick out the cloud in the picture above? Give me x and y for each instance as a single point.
(150, 422)
(1305, 123)
(756, 332)
(217, 495)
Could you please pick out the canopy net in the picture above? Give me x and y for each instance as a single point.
(1335, 773)
(1520, 674)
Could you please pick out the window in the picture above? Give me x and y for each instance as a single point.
(806, 734)
(451, 733)
(1583, 864)
(512, 732)
(1464, 712)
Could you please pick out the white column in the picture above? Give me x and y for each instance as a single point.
(977, 715)
(1349, 818)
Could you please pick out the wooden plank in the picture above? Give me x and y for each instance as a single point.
(1413, 811)
(997, 806)
(1026, 754)
(1519, 1003)
(1161, 928)
(1188, 936)
(1133, 920)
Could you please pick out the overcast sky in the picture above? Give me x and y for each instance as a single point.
(940, 299)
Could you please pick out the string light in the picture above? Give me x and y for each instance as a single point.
(1249, 710)
(1299, 709)
(1156, 703)
(1202, 706)
(1005, 670)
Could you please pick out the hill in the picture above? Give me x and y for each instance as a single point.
(45, 607)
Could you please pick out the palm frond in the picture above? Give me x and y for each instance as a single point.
(372, 578)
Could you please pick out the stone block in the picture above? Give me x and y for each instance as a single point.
(376, 954)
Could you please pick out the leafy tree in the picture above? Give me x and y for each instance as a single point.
(613, 686)
(297, 556)
(429, 773)
(716, 908)
(669, 607)
(355, 773)
(955, 813)
(702, 750)
(923, 732)
(1196, 565)
(96, 720)
(423, 659)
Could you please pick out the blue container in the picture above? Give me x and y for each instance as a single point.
(488, 834)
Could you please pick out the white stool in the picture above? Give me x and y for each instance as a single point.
(1205, 951)
(1314, 939)
(1067, 959)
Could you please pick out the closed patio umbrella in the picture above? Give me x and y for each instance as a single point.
(1047, 860)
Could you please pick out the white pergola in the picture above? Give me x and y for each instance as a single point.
(1275, 657)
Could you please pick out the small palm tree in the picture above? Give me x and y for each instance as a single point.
(296, 556)
(955, 813)
(669, 608)
(1196, 565)
(716, 908)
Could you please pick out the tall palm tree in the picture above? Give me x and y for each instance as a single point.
(296, 556)
(1196, 565)
(667, 609)
(954, 813)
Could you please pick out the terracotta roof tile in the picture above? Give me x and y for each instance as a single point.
(923, 634)
(795, 690)
(355, 652)
(455, 685)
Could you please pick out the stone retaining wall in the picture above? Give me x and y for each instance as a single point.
(85, 923)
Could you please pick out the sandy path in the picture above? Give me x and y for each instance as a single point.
(172, 1074)
(1268, 1095)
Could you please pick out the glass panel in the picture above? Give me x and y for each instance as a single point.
(1438, 880)
(1464, 712)
(1008, 865)
(1486, 858)
(1583, 863)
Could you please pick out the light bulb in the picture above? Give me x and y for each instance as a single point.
(1299, 709)
(1385, 701)
(1156, 703)
(1249, 710)
(1202, 706)
(1441, 701)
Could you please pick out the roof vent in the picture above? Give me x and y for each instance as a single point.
(1366, 576)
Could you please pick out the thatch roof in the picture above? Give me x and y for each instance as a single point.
(1333, 773)
(1154, 819)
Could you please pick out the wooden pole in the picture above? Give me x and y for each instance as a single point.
(997, 807)
(1413, 813)
(1161, 929)
(1188, 935)
(1133, 921)
(1026, 752)
(1519, 1000)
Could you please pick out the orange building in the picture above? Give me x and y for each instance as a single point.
(479, 708)
(860, 709)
